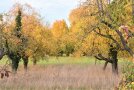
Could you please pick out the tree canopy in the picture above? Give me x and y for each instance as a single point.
(94, 25)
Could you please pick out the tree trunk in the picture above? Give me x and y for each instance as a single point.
(115, 66)
(1, 53)
(25, 61)
(15, 64)
(105, 65)
(15, 58)
(34, 61)
(100, 7)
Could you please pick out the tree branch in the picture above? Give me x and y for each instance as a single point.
(109, 37)
(121, 38)
(100, 57)
(124, 43)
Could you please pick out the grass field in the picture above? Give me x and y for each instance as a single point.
(64, 73)
(64, 60)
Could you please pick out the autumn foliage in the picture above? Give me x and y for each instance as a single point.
(91, 31)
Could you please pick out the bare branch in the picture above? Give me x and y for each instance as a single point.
(124, 43)
(100, 57)
(121, 38)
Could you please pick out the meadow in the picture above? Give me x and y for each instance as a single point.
(104, 28)
(64, 73)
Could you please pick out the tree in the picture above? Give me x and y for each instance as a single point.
(2, 25)
(15, 55)
(24, 33)
(60, 31)
(59, 28)
(109, 17)
(81, 30)
(18, 27)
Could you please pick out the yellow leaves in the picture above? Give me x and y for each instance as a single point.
(79, 13)
(59, 28)
(37, 35)
(14, 43)
(81, 19)
(28, 52)
(128, 8)
(92, 44)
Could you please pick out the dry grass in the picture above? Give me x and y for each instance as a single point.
(61, 77)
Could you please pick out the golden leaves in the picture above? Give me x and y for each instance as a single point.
(59, 28)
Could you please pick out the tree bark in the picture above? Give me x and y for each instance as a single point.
(105, 65)
(15, 58)
(111, 59)
(34, 61)
(25, 61)
(115, 66)
(100, 7)
(1, 53)
(15, 64)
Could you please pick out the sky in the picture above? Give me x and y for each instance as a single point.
(50, 10)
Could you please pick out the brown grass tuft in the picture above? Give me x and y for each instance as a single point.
(61, 77)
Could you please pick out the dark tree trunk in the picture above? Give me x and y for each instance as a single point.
(25, 61)
(113, 55)
(15, 64)
(105, 65)
(34, 61)
(111, 59)
(15, 58)
(2, 53)
(115, 66)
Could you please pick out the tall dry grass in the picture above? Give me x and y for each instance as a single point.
(61, 77)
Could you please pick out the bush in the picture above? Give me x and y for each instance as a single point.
(127, 82)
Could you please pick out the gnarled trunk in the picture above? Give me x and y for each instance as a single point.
(111, 59)
(115, 66)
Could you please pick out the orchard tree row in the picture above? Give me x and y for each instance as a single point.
(100, 28)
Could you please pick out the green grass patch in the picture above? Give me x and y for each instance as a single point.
(64, 60)
(68, 60)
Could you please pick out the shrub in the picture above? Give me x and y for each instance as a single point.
(127, 82)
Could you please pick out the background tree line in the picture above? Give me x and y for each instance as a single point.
(89, 32)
